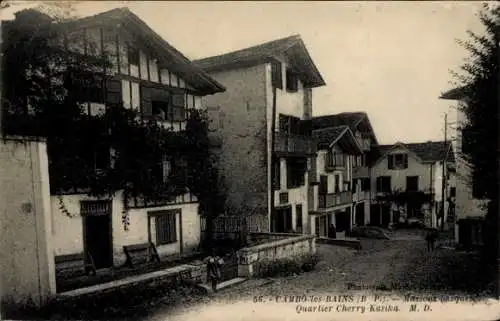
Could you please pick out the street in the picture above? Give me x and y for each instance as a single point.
(402, 264)
(395, 266)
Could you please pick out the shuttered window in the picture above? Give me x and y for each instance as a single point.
(165, 225)
(397, 161)
(298, 216)
(276, 75)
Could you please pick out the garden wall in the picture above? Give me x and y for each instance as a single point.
(291, 246)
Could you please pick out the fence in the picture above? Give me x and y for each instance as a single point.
(231, 226)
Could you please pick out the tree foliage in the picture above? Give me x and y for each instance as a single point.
(47, 88)
(478, 78)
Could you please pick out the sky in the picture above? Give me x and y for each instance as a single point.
(389, 59)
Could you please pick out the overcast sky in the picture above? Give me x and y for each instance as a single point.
(389, 59)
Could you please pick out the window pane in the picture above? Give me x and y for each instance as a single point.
(126, 93)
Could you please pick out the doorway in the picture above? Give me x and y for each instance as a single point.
(375, 214)
(97, 232)
(386, 215)
(360, 214)
(282, 220)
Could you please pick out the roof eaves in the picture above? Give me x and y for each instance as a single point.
(339, 135)
(211, 86)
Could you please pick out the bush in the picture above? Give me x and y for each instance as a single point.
(287, 267)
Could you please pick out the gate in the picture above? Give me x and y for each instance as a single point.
(229, 269)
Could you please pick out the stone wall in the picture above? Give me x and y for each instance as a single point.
(27, 262)
(292, 246)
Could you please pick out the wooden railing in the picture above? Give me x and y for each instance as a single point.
(334, 199)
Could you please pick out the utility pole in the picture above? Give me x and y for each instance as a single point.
(443, 179)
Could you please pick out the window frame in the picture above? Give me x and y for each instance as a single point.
(157, 216)
(292, 81)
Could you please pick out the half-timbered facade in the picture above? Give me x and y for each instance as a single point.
(149, 75)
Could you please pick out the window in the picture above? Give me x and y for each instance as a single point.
(296, 169)
(276, 75)
(354, 185)
(412, 183)
(339, 159)
(323, 184)
(160, 109)
(337, 183)
(453, 191)
(397, 161)
(307, 102)
(298, 217)
(133, 56)
(165, 226)
(384, 184)
(290, 125)
(365, 184)
(292, 81)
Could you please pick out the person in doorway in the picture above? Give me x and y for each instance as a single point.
(213, 269)
(332, 231)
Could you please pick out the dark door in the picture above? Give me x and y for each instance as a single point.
(375, 215)
(343, 220)
(97, 232)
(360, 214)
(386, 215)
(283, 220)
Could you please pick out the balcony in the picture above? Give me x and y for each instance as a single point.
(294, 145)
(334, 199)
(360, 171)
(360, 196)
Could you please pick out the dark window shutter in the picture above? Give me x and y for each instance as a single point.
(323, 184)
(146, 105)
(276, 75)
(113, 92)
(390, 161)
(405, 159)
(178, 107)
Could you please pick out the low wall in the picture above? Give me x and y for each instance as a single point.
(292, 246)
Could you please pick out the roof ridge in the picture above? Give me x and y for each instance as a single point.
(262, 44)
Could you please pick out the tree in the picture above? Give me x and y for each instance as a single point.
(47, 86)
(478, 80)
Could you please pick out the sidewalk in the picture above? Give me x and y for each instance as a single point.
(162, 274)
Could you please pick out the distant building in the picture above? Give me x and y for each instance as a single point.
(357, 177)
(333, 202)
(406, 181)
(470, 211)
(261, 121)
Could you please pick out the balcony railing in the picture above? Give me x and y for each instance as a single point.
(360, 196)
(294, 144)
(334, 199)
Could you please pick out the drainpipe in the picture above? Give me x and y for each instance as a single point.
(431, 185)
(273, 138)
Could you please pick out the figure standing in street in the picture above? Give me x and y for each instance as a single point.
(332, 231)
(431, 237)
(213, 269)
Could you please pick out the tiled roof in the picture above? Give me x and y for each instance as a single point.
(428, 151)
(342, 119)
(329, 134)
(261, 53)
(267, 49)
